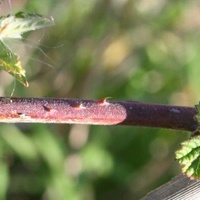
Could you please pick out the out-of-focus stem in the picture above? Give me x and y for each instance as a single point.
(103, 112)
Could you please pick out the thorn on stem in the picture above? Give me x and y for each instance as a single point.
(46, 108)
(79, 106)
(104, 102)
(23, 116)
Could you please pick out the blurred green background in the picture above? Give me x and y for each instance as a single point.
(138, 50)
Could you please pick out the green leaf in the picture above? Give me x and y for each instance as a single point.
(189, 156)
(10, 63)
(13, 26)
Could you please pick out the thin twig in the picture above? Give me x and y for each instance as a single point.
(103, 112)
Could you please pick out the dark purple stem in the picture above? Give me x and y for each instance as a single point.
(103, 112)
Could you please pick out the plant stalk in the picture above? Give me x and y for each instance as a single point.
(102, 112)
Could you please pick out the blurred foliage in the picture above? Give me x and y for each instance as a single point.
(129, 50)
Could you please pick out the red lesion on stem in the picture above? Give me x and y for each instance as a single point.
(15, 114)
